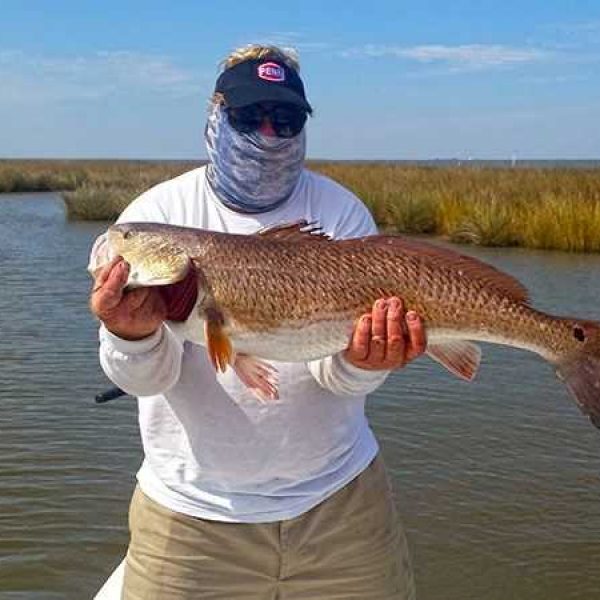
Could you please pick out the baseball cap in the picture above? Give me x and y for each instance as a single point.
(266, 80)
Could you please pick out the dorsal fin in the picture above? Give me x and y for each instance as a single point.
(298, 231)
(467, 265)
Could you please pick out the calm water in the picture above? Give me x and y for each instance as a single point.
(498, 481)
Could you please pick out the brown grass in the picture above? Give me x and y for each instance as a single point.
(556, 208)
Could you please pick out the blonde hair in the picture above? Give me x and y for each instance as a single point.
(288, 56)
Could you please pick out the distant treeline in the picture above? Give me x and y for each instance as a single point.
(552, 208)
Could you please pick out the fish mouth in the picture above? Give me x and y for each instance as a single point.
(100, 254)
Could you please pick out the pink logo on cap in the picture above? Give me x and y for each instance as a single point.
(271, 71)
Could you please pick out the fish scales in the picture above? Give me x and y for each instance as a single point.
(289, 294)
(294, 284)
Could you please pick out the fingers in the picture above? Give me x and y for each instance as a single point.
(131, 315)
(388, 338)
(108, 286)
(358, 349)
(379, 325)
(152, 307)
(396, 343)
(101, 275)
(416, 335)
(136, 299)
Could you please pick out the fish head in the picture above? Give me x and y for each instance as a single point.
(153, 254)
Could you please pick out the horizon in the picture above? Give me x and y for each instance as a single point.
(459, 161)
(401, 82)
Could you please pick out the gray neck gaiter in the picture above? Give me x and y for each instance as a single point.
(250, 172)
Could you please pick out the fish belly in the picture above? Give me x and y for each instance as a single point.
(294, 342)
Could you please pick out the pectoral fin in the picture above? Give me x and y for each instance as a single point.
(460, 357)
(218, 344)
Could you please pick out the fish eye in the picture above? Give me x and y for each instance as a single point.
(578, 333)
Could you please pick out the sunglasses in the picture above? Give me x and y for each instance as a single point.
(286, 120)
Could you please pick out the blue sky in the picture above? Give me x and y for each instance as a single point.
(388, 79)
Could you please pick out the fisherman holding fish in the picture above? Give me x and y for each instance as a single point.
(238, 496)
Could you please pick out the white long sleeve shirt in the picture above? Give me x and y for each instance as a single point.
(211, 449)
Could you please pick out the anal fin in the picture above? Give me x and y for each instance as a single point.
(258, 376)
(460, 357)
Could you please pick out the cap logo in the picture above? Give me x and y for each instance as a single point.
(271, 71)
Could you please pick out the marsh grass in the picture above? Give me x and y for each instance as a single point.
(571, 223)
(557, 208)
(97, 202)
(92, 190)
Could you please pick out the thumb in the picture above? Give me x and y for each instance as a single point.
(108, 287)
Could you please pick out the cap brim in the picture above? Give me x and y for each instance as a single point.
(244, 95)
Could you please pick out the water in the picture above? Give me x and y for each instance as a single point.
(498, 481)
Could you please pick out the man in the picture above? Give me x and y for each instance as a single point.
(238, 499)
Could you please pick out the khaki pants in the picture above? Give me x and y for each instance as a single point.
(350, 546)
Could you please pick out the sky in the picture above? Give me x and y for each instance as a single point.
(388, 80)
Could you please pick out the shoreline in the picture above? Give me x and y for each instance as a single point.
(546, 208)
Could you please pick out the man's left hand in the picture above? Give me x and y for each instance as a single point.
(387, 338)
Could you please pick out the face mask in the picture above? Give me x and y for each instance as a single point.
(250, 172)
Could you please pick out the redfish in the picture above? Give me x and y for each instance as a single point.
(289, 293)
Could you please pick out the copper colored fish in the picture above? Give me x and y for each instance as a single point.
(292, 294)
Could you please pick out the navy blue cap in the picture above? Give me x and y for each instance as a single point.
(266, 80)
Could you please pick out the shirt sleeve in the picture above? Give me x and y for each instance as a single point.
(337, 375)
(144, 367)
(334, 373)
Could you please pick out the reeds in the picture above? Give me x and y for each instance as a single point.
(552, 208)
(92, 190)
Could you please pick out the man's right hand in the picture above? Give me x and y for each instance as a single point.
(131, 315)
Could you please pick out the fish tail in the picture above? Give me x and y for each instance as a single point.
(580, 370)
